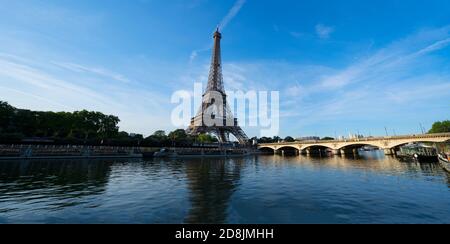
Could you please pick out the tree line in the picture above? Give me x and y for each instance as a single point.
(95, 128)
(440, 127)
(80, 128)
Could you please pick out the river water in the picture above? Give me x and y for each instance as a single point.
(260, 189)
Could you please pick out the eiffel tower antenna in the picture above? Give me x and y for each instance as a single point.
(214, 110)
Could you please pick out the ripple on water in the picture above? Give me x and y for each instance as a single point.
(262, 189)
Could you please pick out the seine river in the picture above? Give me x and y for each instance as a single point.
(259, 189)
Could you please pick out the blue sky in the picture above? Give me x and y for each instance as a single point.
(340, 66)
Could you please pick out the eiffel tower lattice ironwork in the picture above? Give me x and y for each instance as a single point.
(215, 116)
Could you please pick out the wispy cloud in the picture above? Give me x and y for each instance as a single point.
(94, 70)
(232, 13)
(434, 47)
(36, 85)
(21, 72)
(223, 24)
(296, 34)
(387, 81)
(194, 55)
(324, 31)
(393, 62)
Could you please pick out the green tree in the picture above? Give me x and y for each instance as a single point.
(265, 140)
(6, 114)
(289, 139)
(158, 139)
(80, 125)
(180, 137)
(327, 138)
(440, 127)
(159, 134)
(276, 139)
(206, 138)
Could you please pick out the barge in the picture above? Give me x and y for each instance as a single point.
(419, 153)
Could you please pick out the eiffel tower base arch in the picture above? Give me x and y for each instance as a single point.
(222, 133)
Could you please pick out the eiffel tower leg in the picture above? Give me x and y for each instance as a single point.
(227, 136)
(222, 136)
(240, 135)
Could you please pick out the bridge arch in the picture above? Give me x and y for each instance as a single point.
(316, 149)
(288, 147)
(289, 150)
(316, 146)
(267, 149)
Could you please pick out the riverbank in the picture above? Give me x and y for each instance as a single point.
(11, 152)
(17, 152)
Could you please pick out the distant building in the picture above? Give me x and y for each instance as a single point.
(355, 136)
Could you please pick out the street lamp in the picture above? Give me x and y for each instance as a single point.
(421, 127)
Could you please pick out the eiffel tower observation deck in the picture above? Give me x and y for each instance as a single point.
(215, 116)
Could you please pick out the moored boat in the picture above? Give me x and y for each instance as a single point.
(418, 152)
(369, 149)
(444, 161)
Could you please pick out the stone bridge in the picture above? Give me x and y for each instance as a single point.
(388, 144)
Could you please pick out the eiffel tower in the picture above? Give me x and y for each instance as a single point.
(215, 116)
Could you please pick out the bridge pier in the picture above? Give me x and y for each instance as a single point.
(336, 151)
(342, 152)
(388, 151)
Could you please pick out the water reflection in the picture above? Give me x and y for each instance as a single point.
(212, 182)
(370, 161)
(58, 180)
(261, 189)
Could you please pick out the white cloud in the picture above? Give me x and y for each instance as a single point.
(94, 70)
(296, 91)
(324, 31)
(25, 85)
(222, 25)
(232, 13)
(296, 34)
(194, 55)
(434, 47)
(387, 64)
(388, 81)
